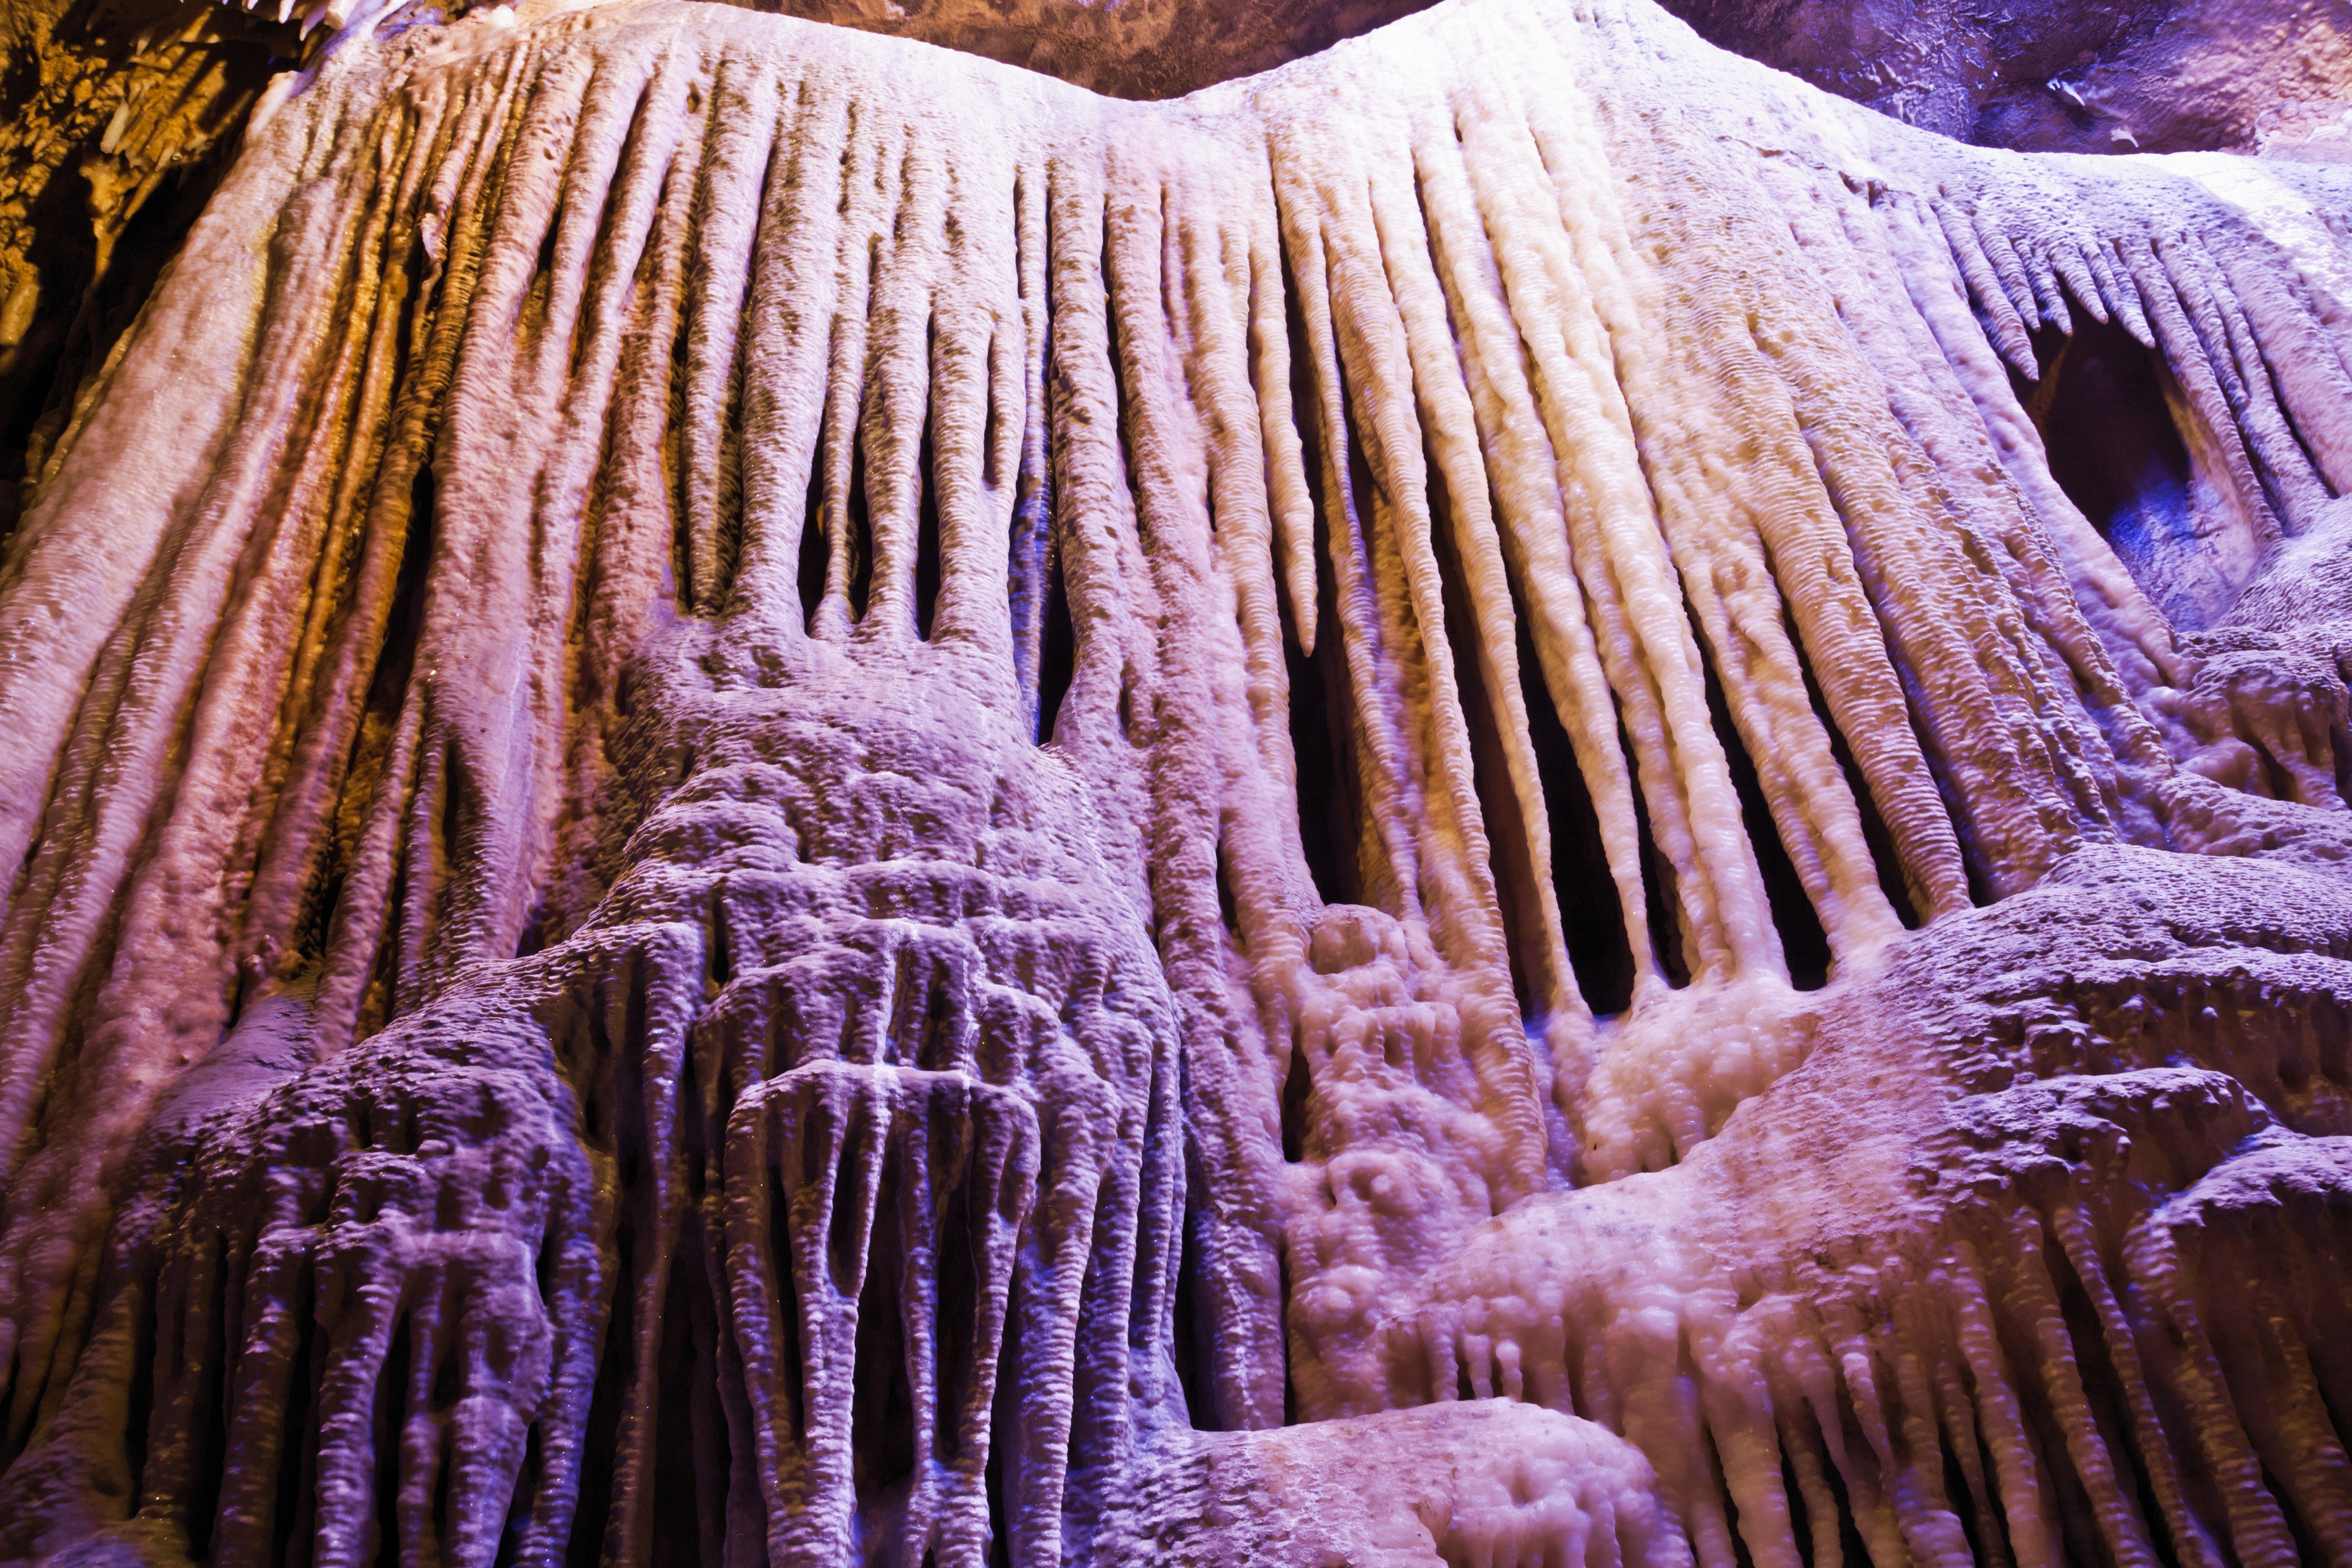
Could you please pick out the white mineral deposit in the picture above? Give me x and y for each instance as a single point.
(1512, 797)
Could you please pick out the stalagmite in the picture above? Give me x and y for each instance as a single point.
(778, 797)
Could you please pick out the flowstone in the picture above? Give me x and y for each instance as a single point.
(1515, 797)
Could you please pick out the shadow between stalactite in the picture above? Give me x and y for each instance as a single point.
(743, 750)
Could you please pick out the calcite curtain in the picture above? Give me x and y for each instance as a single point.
(777, 798)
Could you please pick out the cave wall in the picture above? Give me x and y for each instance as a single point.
(1515, 795)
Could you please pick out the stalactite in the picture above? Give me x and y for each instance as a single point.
(583, 982)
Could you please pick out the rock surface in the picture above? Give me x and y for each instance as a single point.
(2070, 76)
(1517, 796)
(120, 113)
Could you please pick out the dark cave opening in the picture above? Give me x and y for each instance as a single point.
(2102, 409)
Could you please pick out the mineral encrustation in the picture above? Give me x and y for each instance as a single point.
(774, 798)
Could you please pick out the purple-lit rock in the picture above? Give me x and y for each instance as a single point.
(1518, 796)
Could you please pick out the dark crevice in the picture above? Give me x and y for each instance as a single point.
(391, 1414)
(139, 1398)
(1850, 1546)
(1592, 913)
(1228, 913)
(959, 1285)
(1057, 644)
(728, 525)
(1155, 1269)
(531, 314)
(1004, 1419)
(1322, 744)
(1801, 1519)
(1322, 699)
(688, 1461)
(293, 1501)
(857, 523)
(1660, 886)
(1884, 858)
(2104, 1395)
(925, 1011)
(460, 822)
(1099, 1385)
(531, 1481)
(1510, 856)
(1511, 852)
(816, 546)
(1711, 1452)
(2080, 1537)
(882, 1405)
(1297, 1085)
(1375, 877)
(1966, 1506)
(927, 520)
(448, 1384)
(1194, 1333)
(599, 1451)
(208, 1418)
(2308, 1546)
(379, 719)
(677, 462)
(455, 815)
(714, 1434)
(1129, 407)
(842, 1243)
(2277, 782)
(444, 1480)
(599, 255)
(633, 1138)
(1803, 943)
(1973, 863)
(539, 929)
(722, 963)
(791, 1359)
(1290, 1357)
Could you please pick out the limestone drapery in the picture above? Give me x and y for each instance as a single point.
(659, 719)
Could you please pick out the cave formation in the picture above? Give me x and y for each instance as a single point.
(1500, 794)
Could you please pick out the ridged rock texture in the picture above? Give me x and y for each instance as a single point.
(1514, 798)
